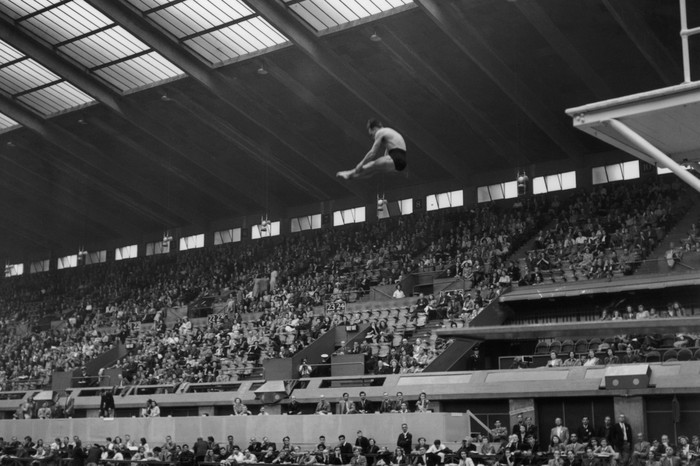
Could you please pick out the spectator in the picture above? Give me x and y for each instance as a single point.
(398, 292)
(405, 440)
(560, 431)
(323, 406)
(423, 404)
(239, 409)
(363, 406)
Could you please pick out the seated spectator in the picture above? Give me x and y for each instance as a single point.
(554, 360)
(323, 406)
(239, 409)
(572, 360)
(423, 404)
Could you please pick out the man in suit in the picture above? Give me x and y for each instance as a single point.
(362, 442)
(606, 430)
(560, 431)
(397, 404)
(357, 458)
(345, 406)
(640, 451)
(386, 406)
(574, 445)
(421, 459)
(670, 458)
(519, 422)
(589, 459)
(622, 440)
(585, 431)
(405, 439)
(345, 449)
(530, 428)
(363, 406)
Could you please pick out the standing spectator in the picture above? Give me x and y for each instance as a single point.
(585, 431)
(107, 403)
(405, 440)
(346, 450)
(560, 431)
(475, 362)
(622, 440)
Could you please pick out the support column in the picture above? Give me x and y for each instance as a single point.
(633, 409)
(524, 406)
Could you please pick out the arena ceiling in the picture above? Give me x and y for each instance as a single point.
(121, 117)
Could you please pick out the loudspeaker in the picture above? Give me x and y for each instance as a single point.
(627, 377)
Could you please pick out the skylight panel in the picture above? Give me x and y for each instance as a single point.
(326, 14)
(55, 98)
(217, 31)
(33, 85)
(81, 32)
(7, 123)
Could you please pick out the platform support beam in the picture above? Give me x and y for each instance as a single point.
(645, 146)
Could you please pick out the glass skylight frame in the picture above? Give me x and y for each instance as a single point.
(326, 16)
(77, 30)
(38, 88)
(217, 32)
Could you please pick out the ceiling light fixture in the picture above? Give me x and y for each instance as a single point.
(262, 71)
(375, 37)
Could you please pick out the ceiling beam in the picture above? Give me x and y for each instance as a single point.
(127, 110)
(280, 17)
(556, 39)
(49, 191)
(22, 223)
(496, 139)
(227, 90)
(468, 39)
(251, 147)
(630, 19)
(88, 155)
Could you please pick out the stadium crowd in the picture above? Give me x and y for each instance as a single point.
(612, 443)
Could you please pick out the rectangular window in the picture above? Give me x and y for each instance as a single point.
(615, 172)
(307, 222)
(396, 208)
(67, 262)
(273, 229)
(192, 242)
(346, 217)
(126, 252)
(39, 266)
(666, 171)
(96, 257)
(227, 236)
(157, 247)
(550, 183)
(496, 192)
(444, 200)
(14, 270)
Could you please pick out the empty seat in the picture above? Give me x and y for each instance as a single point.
(581, 346)
(555, 347)
(653, 356)
(567, 346)
(685, 355)
(542, 347)
(594, 344)
(670, 354)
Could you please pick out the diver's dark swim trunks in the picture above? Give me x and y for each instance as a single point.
(399, 158)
